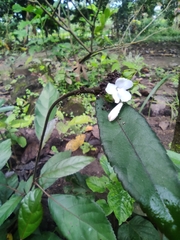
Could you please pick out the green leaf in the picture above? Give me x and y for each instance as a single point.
(48, 96)
(83, 119)
(30, 213)
(138, 229)
(12, 183)
(3, 189)
(6, 109)
(115, 66)
(103, 204)
(8, 207)
(79, 218)
(21, 123)
(5, 152)
(28, 184)
(142, 166)
(106, 166)
(44, 236)
(120, 202)
(102, 20)
(61, 166)
(175, 157)
(107, 13)
(128, 73)
(49, 130)
(17, 8)
(2, 101)
(97, 184)
(62, 127)
(21, 141)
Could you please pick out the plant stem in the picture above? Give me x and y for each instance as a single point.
(95, 91)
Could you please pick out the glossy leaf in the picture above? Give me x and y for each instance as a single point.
(142, 166)
(79, 218)
(45, 100)
(62, 167)
(5, 152)
(30, 213)
(8, 207)
(138, 229)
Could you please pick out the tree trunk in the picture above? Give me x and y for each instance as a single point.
(176, 140)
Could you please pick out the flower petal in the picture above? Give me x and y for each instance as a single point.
(116, 97)
(114, 112)
(111, 88)
(123, 83)
(124, 95)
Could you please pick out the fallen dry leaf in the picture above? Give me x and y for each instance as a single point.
(95, 131)
(88, 128)
(74, 144)
(164, 125)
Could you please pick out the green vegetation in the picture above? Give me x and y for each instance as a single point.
(82, 42)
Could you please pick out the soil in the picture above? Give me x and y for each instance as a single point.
(158, 111)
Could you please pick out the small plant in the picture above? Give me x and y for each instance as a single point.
(133, 65)
(118, 200)
(9, 125)
(86, 147)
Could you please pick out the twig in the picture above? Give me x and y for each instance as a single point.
(81, 13)
(151, 21)
(62, 24)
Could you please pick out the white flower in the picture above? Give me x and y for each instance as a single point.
(119, 94)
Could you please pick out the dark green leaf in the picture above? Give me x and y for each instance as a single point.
(142, 166)
(80, 218)
(138, 229)
(44, 236)
(8, 207)
(30, 213)
(5, 152)
(12, 183)
(63, 167)
(45, 100)
(3, 188)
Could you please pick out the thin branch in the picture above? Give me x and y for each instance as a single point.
(56, 7)
(81, 14)
(130, 24)
(64, 26)
(152, 21)
(94, 24)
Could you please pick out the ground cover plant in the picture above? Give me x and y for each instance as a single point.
(137, 169)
